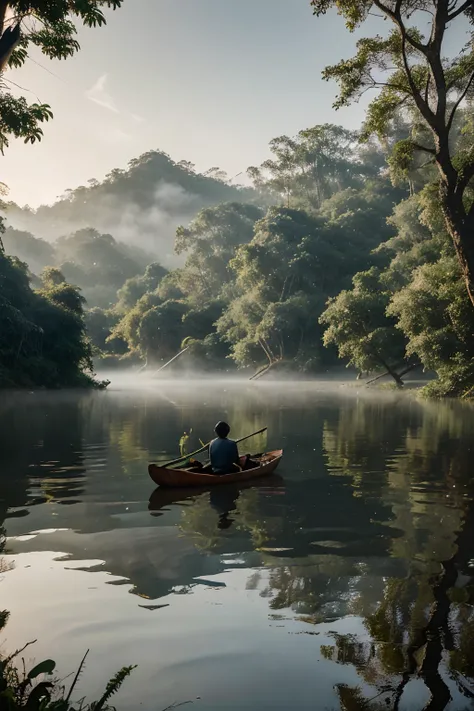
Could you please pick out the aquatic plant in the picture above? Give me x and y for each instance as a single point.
(38, 690)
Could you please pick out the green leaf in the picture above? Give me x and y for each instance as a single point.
(46, 667)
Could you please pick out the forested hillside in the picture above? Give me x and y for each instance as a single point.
(334, 252)
(256, 279)
(141, 205)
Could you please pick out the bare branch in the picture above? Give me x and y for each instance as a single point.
(466, 175)
(428, 162)
(423, 107)
(18, 651)
(462, 684)
(460, 10)
(377, 84)
(396, 18)
(459, 101)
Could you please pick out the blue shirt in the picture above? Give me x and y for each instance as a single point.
(223, 454)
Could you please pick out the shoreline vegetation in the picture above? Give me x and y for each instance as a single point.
(38, 690)
(357, 272)
(259, 290)
(349, 246)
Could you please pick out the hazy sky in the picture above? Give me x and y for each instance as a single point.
(210, 81)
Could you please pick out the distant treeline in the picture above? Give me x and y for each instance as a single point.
(332, 254)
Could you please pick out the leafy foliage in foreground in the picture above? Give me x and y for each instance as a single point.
(51, 27)
(38, 690)
(409, 69)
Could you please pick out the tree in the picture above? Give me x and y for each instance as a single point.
(436, 318)
(199, 323)
(210, 242)
(42, 333)
(311, 167)
(413, 74)
(358, 326)
(160, 332)
(283, 278)
(98, 263)
(51, 27)
(138, 286)
(37, 253)
(413, 245)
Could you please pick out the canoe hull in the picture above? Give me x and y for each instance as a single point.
(183, 478)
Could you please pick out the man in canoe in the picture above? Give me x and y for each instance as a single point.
(223, 452)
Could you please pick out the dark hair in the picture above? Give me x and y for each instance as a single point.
(222, 429)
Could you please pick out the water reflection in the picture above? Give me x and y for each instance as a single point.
(365, 538)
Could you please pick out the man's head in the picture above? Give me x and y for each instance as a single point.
(222, 429)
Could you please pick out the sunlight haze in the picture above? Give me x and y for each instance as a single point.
(208, 81)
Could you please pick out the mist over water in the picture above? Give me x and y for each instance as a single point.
(150, 227)
(317, 584)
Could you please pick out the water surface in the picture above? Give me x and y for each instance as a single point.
(344, 582)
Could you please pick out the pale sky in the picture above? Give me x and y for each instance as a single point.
(209, 81)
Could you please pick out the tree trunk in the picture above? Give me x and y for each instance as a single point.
(460, 226)
(391, 372)
(463, 239)
(261, 343)
(8, 41)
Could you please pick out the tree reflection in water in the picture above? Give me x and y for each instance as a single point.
(423, 625)
(395, 552)
(373, 520)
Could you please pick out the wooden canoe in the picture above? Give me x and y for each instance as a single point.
(185, 478)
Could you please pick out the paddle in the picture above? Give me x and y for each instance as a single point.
(203, 449)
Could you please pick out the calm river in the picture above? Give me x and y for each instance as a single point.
(345, 582)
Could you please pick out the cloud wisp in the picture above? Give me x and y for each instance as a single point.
(99, 95)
